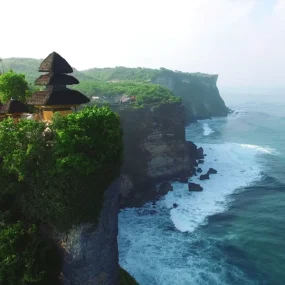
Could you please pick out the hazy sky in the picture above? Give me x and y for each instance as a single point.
(241, 40)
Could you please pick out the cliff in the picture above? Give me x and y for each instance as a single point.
(198, 91)
(91, 253)
(154, 150)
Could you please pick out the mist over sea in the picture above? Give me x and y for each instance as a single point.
(234, 231)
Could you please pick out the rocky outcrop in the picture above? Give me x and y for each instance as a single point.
(90, 253)
(204, 176)
(212, 171)
(155, 150)
(194, 187)
(198, 91)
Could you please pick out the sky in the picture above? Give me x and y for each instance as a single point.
(241, 40)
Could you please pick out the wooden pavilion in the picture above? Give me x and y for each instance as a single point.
(56, 97)
(13, 109)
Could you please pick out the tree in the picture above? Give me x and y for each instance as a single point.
(13, 85)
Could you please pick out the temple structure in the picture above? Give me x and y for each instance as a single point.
(56, 97)
(13, 109)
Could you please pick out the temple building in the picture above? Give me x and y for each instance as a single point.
(13, 109)
(56, 97)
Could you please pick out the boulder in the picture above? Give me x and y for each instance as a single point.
(183, 179)
(164, 188)
(204, 176)
(200, 153)
(201, 161)
(191, 147)
(194, 187)
(199, 170)
(212, 171)
(175, 205)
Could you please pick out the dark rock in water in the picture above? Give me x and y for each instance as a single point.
(175, 205)
(204, 176)
(164, 188)
(183, 179)
(200, 153)
(194, 187)
(195, 163)
(205, 155)
(212, 171)
(199, 169)
(153, 203)
(201, 161)
(216, 160)
(191, 147)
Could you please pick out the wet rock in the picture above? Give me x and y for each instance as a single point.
(175, 205)
(204, 176)
(194, 187)
(200, 153)
(212, 171)
(183, 179)
(199, 170)
(164, 188)
(201, 161)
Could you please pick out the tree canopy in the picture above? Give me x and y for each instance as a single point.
(145, 93)
(13, 85)
(52, 175)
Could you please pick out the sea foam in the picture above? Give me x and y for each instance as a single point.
(237, 167)
(163, 245)
(207, 130)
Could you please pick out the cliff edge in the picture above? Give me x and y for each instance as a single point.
(198, 91)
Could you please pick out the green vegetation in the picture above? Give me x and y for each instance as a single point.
(126, 278)
(122, 73)
(30, 67)
(52, 176)
(145, 93)
(13, 85)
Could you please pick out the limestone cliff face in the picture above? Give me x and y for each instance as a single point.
(155, 150)
(91, 253)
(198, 91)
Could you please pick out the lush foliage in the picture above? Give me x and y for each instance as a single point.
(62, 171)
(145, 93)
(26, 257)
(126, 278)
(53, 175)
(13, 85)
(122, 73)
(30, 67)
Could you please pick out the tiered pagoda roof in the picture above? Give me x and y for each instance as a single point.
(55, 81)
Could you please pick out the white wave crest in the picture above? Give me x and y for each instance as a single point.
(237, 166)
(207, 130)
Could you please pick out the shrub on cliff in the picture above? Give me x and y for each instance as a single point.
(53, 175)
(145, 93)
(61, 172)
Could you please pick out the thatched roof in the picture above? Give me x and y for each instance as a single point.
(54, 79)
(56, 64)
(54, 96)
(14, 106)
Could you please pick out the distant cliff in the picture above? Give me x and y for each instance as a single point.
(198, 91)
(154, 150)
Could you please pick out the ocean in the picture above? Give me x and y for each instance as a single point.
(234, 231)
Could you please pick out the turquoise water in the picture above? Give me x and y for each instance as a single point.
(234, 231)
